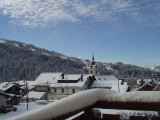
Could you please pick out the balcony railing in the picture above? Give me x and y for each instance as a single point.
(96, 98)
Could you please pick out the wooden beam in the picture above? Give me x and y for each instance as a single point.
(138, 117)
(128, 105)
(110, 117)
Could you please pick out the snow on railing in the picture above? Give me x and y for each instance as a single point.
(86, 99)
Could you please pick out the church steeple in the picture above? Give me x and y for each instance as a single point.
(93, 57)
(93, 62)
(93, 67)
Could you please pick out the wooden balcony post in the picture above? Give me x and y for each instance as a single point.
(88, 114)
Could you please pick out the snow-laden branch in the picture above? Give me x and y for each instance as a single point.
(84, 99)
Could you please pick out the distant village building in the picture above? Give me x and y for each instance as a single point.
(110, 82)
(11, 88)
(12, 92)
(22, 84)
(10, 99)
(146, 87)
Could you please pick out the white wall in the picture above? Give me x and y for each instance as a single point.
(59, 94)
(2, 100)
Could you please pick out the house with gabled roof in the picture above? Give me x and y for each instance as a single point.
(146, 87)
(35, 95)
(41, 86)
(59, 85)
(69, 84)
(6, 98)
(10, 88)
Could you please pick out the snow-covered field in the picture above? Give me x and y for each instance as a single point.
(21, 108)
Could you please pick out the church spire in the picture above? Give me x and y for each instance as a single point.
(93, 57)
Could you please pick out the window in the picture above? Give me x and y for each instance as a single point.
(62, 90)
(55, 90)
(73, 90)
(91, 72)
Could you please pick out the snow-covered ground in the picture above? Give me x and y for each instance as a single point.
(21, 108)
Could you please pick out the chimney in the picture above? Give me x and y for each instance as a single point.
(81, 77)
(63, 76)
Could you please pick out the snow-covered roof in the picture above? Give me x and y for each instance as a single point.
(145, 80)
(104, 84)
(35, 95)
(71, 77)
(47, 78)
(7, 94)
(113, 85)
(22, 83)
(5, 85)
(80, 83)
(52, 79)
(107, 77)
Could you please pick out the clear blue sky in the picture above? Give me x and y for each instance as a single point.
(116, 30)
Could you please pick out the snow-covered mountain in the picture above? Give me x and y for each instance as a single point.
(24, 61)
(155, 68)
(18, 60)
(158, 68)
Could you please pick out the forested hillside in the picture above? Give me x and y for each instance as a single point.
(20, 61)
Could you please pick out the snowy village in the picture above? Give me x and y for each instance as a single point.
(91, 96)
(79, 60)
